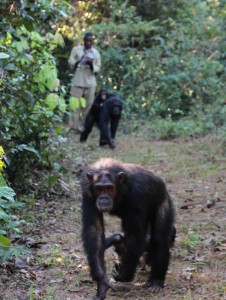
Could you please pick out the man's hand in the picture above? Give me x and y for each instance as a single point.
(86, 60)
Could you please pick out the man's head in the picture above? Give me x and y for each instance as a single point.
(88, 40)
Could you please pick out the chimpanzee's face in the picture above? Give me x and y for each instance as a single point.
(104, 196)
(103, 95)
(103, 187)
(104, 190)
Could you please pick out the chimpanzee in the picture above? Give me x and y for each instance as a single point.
(141, 200)
(106, 109)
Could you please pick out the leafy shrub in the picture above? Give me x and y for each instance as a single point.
(31, 99)
(10, 224)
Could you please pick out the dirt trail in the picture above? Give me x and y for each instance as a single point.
(196, 178)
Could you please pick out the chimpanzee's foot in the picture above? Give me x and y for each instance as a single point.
(112, 144)
(103, 142)
(154, 286)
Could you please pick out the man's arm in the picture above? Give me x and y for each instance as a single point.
(74, 60)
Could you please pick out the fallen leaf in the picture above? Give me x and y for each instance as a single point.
(187, 206)
(187, 273)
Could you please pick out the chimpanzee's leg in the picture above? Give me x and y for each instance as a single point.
(162, 236)
(114, 126)
(88, 126)
(105, 135)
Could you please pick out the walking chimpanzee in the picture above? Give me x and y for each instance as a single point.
(141, 200)
(106, 110)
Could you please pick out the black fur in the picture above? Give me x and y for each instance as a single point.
(141, 200)
(106, 115)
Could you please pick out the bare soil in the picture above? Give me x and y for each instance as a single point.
(195, 174)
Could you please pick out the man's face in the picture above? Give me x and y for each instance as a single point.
(88, 42)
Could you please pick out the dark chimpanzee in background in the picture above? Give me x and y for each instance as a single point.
(141, 200)
(106, 110)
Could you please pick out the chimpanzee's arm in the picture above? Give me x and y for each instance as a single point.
(94, 244)
(93, 237)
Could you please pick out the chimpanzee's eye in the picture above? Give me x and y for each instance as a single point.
(109, 188)
(98, 189)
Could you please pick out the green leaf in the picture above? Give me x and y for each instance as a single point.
(14, 224)
(83, 102)
(23, 147)
(3, 55)
(58, 130)
(28, 24)
(47, 76)
(2, 181)
(4, 216)
(52, 100)
(4, 241)
(10, 67)
(52, 179)
(3, 232)
(7, 192)
(3, 203)
(21, 45)
(5, 253)
(73, 103)
(30, 57)
(62, 105)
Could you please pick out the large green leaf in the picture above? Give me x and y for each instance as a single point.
(10, 67)
(47, 76)
(62, 105)
(3, 55)
(83, 102)
(7, 192)
(4, 216)
(21, 45)
(73, 103)
(4, 241)
(52, 100)
(23, 147)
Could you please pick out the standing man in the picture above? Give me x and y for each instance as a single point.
(85, 61)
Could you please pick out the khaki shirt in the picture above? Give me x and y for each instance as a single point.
(84, 76)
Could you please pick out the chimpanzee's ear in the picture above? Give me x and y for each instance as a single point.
(121, 176)
(89, 176)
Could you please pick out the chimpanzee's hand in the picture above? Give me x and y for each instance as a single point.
(114, 239)
(102, 287)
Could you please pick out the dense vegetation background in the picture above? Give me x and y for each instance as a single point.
(166, 58)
